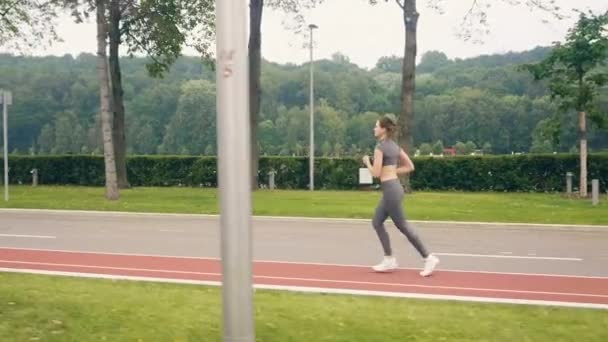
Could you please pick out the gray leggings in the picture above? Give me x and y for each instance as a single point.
(391, 205)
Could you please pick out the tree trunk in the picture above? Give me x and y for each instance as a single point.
(118, 107)
(582, 121)
(112, 192)
(255, 61)
(408, 84)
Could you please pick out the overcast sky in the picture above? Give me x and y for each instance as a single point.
(364, 33)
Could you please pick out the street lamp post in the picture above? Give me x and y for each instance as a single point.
(234, 182)
(311, 167)
(6, 99)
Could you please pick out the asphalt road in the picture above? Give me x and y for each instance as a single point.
(500, 248)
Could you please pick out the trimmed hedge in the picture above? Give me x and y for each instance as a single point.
(537, 173)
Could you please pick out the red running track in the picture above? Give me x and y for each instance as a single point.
(554, 290)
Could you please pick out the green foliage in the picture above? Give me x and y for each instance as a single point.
(161, 29)
(433, 61)
(426, 149)
(488, 173)
(503, 173)
(392, 64)
(483, 100)
(470, 147)
(25, 24)
(572, 67)
(461, 148)
(195, 114)
(487, 148)
(438, 147)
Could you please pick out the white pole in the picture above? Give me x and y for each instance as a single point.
(6, 100)
(311, 166)
(234, 159)
(595, 191)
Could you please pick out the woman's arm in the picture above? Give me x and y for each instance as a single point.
(376, 168)
(406, 162)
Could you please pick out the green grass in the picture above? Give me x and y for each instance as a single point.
(456, 206)
(41, 308)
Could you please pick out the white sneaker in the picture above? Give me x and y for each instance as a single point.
(429, 265)
(387, 264)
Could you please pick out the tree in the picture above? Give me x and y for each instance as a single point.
(460, 147)
(79, 139)
(392, 64)
(573, 75)
(94, 136)
(158, 28)
(487, 148)
(118, 106)
(256, 8)
(432, 60)
(326, 149)
(338, 150)
(541, 146)
(290, 123)
(144, 139)
(269, 137)
(112, 192)
(426, 149)
(359, 131)
(46, 140)
(543, 137)
(408, 85)
(470, 147)
(193, 127)
(438, 147)
(69, 135)
(27, 22)
(330, 126)
(52, 86)
(209, 150)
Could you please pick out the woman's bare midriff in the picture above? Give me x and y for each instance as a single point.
(388, 173)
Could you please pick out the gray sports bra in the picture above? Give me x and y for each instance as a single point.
(390, 152)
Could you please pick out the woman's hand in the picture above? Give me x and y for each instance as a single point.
(366, 160)
(376, 168)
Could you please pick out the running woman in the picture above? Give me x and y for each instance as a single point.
(386, 166)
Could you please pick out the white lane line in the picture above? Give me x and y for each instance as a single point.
(302, 289)
(27, 236)
(507, 256)
(314, 280)
(171, 231)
